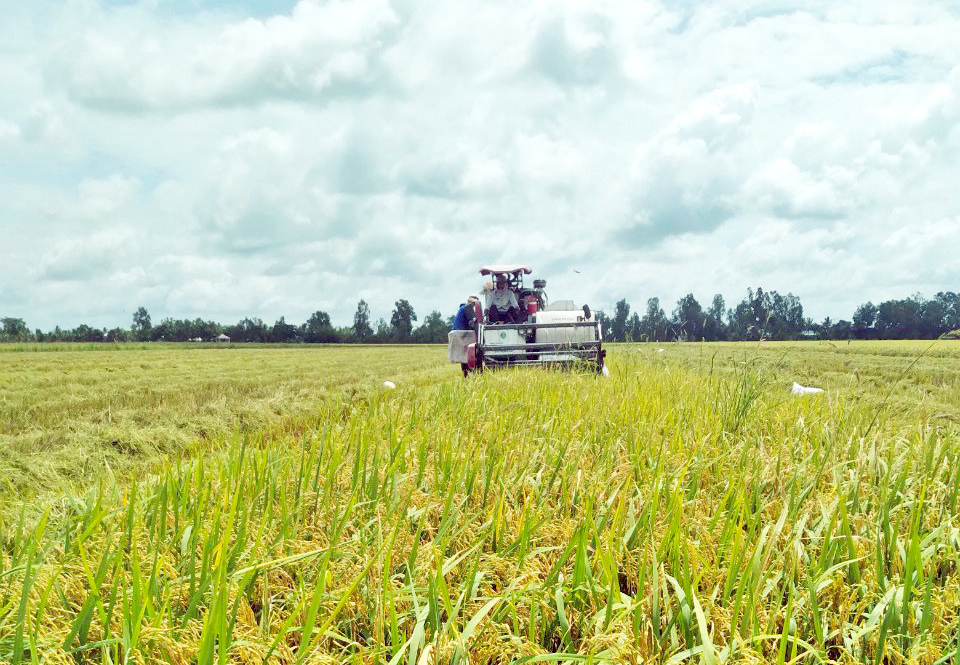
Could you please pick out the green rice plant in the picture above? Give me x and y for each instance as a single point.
(673, 512)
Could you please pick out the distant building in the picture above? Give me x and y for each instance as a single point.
(223, 338)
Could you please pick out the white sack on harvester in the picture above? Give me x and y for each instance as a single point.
(457, 343)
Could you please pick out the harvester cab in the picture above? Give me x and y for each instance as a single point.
(539, 333)
(530, 300)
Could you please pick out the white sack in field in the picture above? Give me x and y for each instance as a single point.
(389, 384)
(804, 390)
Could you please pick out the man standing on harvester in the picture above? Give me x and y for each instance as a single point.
(502, 305)
(464, 320)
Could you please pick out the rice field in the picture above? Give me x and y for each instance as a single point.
(279, 505)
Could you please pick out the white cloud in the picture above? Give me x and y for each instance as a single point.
(811, 144)
(85, 258)
(101, 198)
(484, 175)
(686, 178)
(546, 161)
(44, 122)
(779, 245)
(938, 115)
(9, 131)
(125, 63)
(575, 46)
(936, 240)
(207, 163)
(719, 119)
(788, 191)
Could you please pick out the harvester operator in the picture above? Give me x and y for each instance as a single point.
(502, 305)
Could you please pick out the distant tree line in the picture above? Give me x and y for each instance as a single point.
(318, 328)
(770, 315)
(760, 315)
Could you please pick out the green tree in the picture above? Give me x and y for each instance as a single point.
(248, 330)
(932, 316)
(759, 305)
(842, 329)
(402, 320)
(749, 319)
(950, 303)
(383, 331)
(141, 327)
(654, 324)
(785, 316)
(618, 326)
(14, 330)
(899, 319)
(689, 317)
(318, 329)
(825, 329)
(163, 331)
(433, 330)
(713, 325)
(864, 319)
(84, 333)
(634, 329)
(205, 330)
(361, 322)
(283, 331)
(117, 335)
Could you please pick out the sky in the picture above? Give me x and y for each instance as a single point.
(267, 158)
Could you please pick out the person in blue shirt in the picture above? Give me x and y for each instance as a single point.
(464, 320)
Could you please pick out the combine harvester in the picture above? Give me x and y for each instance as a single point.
(556, 334)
